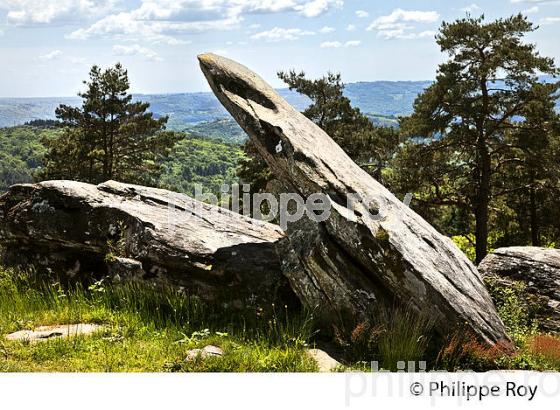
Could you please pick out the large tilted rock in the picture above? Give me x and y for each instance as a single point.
(538, 269)
(121, 229)
(354, 261)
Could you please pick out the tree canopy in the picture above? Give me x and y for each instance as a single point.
(110, 136)
(486, 111)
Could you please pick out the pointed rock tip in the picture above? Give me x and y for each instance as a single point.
(206, 57)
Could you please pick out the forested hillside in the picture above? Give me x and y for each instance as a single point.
(194, 160)
(21, 153)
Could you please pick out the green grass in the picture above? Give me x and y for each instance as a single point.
(146, 329)
(151, 329)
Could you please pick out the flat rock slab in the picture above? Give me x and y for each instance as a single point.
(538, 269)
(371, 251)
(205, 352)
(324, 361)
(43, 333)
(79, 230)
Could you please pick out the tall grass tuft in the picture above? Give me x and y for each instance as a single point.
(404, 336)
(392, 335)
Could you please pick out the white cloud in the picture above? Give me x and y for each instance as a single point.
(279, 34)
(399, 16)
(351, 27)
(400, 34)
(471, 8)
(160, 21)
(532, 10)
(30, 12)
(331, 44)
(127, 25)
(352, 43)
(362, 14)
(314, 8)
(549, 20)
(136, 50)
(400, 23)
(326, 30)
(53, 55)
(338, 44)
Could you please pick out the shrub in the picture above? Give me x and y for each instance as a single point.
(463, 351)
(514, 307)
(547, 348)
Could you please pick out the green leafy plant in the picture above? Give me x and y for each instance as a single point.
(514, 307)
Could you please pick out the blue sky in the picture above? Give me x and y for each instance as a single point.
(47, 47)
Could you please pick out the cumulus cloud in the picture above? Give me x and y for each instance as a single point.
(315, 8)
(132, 26)
(351, 27)
(34, 12)
(362, 14)
(53, 55)
(470, 8)
(162, 20)
(280, 34)
(339, 44)
(326, 30)
(401, 23)
(399, 16)
(136, 50)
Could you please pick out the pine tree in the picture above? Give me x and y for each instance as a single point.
(110, 136)
(479, 95)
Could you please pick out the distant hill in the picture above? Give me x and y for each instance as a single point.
(382, 101)
(385, 98)
(193, 160)
(379, 98)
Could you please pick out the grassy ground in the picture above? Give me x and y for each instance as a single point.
(145, 330)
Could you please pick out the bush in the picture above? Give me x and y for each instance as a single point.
(463, 351)
(547, 348)
(515, 308)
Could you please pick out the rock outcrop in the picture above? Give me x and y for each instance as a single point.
(538, 269)
(127, 230)
(370, 252)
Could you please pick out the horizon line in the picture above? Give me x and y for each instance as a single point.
(210, 92)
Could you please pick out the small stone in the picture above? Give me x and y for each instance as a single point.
(207, 351)
(325, 362)
(43, 333)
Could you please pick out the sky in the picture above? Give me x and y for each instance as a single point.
(47, 47)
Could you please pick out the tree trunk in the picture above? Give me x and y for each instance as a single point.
(483, 202)
(535, 236)
(485, 171)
